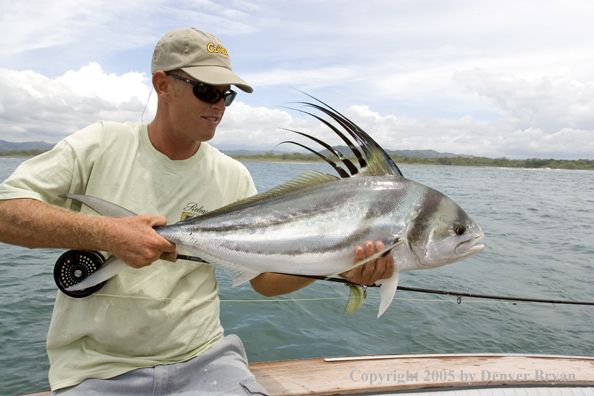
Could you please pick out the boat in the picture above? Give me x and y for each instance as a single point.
(432, 374)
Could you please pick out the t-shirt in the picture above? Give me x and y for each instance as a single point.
(160, 314)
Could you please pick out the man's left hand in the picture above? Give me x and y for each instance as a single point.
(368, 273)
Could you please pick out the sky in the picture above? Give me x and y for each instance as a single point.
(505, 78)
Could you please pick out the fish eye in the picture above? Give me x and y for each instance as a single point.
(460, 230)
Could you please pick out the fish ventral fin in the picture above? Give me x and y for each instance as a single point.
(305, 179)
(387, 290)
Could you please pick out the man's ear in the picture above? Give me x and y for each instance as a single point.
(162, 85)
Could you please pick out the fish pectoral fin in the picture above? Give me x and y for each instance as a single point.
(380, 254)
(387, 290)
(101, 206)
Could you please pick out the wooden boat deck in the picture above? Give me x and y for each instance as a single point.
(476, 374)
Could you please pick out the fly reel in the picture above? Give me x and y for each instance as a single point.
(73, 267)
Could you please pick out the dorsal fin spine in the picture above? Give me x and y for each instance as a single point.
(379, 162)
(333, 164)
(352, 168)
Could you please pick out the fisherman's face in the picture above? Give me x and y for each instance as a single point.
(196, 119)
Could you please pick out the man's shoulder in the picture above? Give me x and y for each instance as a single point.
(104, 133)
(103, 129)
(225, 165)
(222, 158)
(233, 176)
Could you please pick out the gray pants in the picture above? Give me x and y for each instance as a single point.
(222, 370)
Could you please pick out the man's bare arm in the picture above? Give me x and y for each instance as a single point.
(34, 224)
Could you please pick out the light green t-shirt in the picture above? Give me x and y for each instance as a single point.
(163, 313)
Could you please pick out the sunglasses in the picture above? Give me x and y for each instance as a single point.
(208, 93)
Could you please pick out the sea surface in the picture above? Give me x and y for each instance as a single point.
(539, 237)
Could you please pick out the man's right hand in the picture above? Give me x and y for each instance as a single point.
(134, 241)
(34, 224)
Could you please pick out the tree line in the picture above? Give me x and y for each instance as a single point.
(454, 161)
(22, 153)
(499, 162)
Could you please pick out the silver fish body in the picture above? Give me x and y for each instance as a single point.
(311, 231)
(314, 230)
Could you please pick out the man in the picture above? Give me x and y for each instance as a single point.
(155, 327)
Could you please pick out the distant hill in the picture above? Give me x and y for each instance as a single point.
(249, 152)
(425, 154)
(348, 153)
(405, 153)
(6, 146)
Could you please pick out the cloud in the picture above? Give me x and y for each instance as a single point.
(35, 107)
(549, 102)
(544, 116)
(259, 127)
(500, 138)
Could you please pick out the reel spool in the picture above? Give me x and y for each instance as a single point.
(73, 267)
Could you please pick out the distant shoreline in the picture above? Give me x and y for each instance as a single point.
(243, 159)
(21, 153)
(530, 163)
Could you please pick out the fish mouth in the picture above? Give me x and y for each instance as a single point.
(470, 248)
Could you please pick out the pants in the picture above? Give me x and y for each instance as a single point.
(222, 370)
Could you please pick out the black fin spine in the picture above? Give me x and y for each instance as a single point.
(347, 127)
(348, 142)
(352, 168)
(343, 174)
(362, 157)
(362, 138)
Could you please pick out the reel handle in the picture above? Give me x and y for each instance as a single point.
(75, 265)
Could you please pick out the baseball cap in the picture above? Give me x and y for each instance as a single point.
(200, 54)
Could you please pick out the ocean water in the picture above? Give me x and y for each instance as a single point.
(539, 227)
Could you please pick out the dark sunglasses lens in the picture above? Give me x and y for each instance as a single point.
(230, 97)
(207, 93)
(210, 94)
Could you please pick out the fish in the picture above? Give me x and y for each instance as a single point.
(311, 224)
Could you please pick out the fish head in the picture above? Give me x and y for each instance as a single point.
(442, 233)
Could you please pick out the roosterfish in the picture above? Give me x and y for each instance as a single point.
(310, 225)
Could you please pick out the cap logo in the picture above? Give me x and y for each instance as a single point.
(218, 50)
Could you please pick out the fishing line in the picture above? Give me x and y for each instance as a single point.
(280, 300)
(146, 105)
(213, 300)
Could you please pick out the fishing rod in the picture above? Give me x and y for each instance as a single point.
(75, 265)
(457, 294)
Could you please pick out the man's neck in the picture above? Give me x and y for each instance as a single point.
(167, 143)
